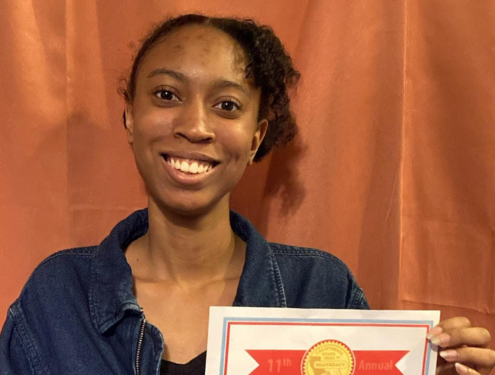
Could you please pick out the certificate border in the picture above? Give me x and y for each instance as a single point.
(228, 321)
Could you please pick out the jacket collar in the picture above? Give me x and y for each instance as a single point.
(260, 284)
(111, 294)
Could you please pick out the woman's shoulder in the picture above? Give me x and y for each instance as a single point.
(55, 305)
(307, 263)
(64, 263)
(56, 275)
(316, 278)
(309, 256)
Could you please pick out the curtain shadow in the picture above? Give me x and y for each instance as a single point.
(283, 180)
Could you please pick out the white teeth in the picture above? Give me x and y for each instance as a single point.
(195, 167)
(184, 167)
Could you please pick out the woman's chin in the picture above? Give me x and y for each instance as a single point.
(188, 207)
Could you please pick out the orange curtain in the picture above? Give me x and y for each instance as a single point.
(393, 171)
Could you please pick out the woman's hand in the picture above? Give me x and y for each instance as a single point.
(463, 349)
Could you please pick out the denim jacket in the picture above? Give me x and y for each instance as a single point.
(77, 314)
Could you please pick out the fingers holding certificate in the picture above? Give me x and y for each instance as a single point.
(462, 347)
(266, 341)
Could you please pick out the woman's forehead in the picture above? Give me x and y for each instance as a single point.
(197, 49)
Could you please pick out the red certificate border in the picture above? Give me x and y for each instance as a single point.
(229, 324)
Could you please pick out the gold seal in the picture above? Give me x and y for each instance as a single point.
(328, 357)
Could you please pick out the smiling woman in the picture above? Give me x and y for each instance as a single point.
(193, 107)
(205, 99)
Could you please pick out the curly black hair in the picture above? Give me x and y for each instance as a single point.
(269, 66)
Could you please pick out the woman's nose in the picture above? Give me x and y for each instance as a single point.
(193, 124)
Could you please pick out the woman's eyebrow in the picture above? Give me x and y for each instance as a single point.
(219, 84)
(224, 83)
(162, 71)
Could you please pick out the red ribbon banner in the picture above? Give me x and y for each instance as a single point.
(288, 362)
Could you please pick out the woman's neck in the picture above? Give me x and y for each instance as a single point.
(188, 251)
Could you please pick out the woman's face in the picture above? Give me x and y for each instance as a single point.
(193, 123)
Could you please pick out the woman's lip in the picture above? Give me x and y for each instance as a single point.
(186, 178)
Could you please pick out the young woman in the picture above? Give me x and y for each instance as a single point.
(206, 98)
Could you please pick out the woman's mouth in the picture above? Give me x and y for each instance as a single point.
(189, 166)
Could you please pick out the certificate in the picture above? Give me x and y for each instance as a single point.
(271, 341)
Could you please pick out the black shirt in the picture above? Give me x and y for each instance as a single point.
(196, 366)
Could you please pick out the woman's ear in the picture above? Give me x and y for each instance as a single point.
(129, 123)
(258, 137)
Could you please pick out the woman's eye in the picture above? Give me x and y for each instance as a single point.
(228, 105)
(166, 95)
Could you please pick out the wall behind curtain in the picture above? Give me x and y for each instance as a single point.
(393, 170)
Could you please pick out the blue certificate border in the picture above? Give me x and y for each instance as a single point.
(227, 319)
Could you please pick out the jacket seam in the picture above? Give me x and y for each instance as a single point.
(357, 297)
(312, 253)
(27, 343)
(279, 282)
(92, 304)
(303, 251)
(82, 251)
